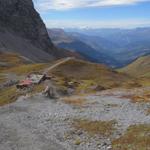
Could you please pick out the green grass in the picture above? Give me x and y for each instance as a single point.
(137, 137)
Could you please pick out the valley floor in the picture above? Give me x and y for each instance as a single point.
(38, 123)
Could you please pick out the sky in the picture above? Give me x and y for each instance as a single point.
(94, 13)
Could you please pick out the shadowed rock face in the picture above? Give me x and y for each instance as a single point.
(23, 31)
(21, 17)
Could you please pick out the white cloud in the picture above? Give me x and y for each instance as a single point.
(130, 23)
(45, 5)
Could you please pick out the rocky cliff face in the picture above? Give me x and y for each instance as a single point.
(23, 31)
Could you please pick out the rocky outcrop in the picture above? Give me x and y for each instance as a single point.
(22, 30)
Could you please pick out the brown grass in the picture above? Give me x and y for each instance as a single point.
(139, 97)
(11, 58)
(139, 68)
(11, 94)
(74, 101)
(38, 88)
(2, 79)
(145, 81)
(148, 112)
(112, 105)
(102, 128)
(25, 69)
(82, 70)
(16, 64)
(137, 137)
(8, 95)
(90, 76)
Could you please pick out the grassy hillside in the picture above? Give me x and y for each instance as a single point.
(81, 76)
(84, 75)
(14, 63)
(12, 67)
(8, 60)
(139, 68)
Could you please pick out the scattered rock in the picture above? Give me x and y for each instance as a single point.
(77, 142)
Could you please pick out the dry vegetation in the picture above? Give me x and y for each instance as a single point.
(38, 88)
(11, 59)
(101, 128)
(11, 94)
(139, 97)
(13, 63)
(74, 101)
(137, 137)
(144, 81)
(26, 69)
(2, 79)
(148, 112)
(90, 77)
(112, 105)
(8, 95)
(140, 69)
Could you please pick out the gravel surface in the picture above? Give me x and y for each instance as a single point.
(38, 123)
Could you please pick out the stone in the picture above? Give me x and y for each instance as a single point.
(23, 31)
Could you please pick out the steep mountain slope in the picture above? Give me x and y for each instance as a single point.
(59, 36)
(23, 31)
(68, 41)
(139, 68)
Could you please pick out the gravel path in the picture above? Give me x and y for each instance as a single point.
(37, 123)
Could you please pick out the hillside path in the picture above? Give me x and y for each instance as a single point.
(57, 64)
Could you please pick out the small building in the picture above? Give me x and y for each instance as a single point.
(32, 79)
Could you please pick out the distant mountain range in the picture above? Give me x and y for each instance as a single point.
(74, 43)
(113, 47)
(124, 45)
(23, 31)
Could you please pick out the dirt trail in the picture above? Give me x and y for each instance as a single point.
(38, 123)
(57, 64)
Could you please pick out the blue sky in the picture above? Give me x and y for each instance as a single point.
(94, 13)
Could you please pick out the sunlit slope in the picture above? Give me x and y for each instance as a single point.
(17, 64)
(86, 74)
(139, 68)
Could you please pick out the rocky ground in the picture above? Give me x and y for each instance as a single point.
(39, 123)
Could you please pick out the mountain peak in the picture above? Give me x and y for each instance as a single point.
(21, 17)
(23, 31)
